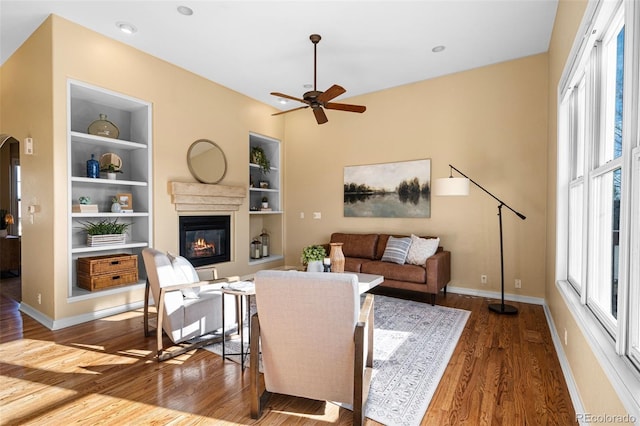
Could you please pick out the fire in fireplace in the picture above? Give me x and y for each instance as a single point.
(205, 240)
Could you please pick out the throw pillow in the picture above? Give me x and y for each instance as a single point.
(396, 250)
(185, 273)
(421, 249)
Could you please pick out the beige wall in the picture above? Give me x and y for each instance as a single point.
(26, 89)
(596, 392)
(185, 108)
(490, 122)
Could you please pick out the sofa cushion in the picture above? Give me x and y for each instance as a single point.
(356, 245)
(421, 249)
(393, 271)
(354, 264)
(396, 250)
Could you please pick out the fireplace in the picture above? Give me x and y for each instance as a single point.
(205, 240)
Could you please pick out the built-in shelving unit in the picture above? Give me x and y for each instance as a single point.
(133, 146)
(272, 219)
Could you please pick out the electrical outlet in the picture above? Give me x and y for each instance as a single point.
(483, 279)
(518, 283)
(39, 299)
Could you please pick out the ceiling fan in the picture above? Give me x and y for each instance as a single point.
(318, 100)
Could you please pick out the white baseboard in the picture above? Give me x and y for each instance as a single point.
(496, 295)
(564, 364)
(78, 319)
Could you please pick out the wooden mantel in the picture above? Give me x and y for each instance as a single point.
(189, 196)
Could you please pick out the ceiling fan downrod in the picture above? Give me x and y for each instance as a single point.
(315, 39)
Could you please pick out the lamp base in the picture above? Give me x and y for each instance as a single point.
(501, 308)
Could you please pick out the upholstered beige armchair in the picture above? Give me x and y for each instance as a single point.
(187, 308)
(316, 341)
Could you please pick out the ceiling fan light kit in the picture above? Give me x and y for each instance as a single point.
(318, 100)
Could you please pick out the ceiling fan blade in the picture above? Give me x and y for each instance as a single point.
(321, 117)
(290, 110)
(345, 107)
(282, 95)
(331, 93)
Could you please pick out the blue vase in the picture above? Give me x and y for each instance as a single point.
(93, 168)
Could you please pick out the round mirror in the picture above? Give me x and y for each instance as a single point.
(206, 161)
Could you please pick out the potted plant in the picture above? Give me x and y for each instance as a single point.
(265, 203)
(105, 232)
(312, 256)
(111, 170)
(260, 158)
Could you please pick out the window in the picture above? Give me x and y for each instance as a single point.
(599, 147)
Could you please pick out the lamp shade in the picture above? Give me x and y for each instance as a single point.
(8, 218)
(451, 186)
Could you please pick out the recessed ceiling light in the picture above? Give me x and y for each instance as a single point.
(126, 27)
(308, 86)
(283, 101)
(438, 49)
(184, 10)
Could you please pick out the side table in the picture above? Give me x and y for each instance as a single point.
(242, 290)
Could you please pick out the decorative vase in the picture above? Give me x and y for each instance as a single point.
(103, 127)
(337, 257)
(111, 176)
(115, 207)
(315, 266)
(93, 168)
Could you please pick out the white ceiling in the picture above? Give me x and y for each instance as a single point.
(256, 47)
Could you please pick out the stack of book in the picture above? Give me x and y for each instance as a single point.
(84, 208)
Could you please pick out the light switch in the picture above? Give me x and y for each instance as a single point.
(317, 215)
(28, 146)
(301, 215)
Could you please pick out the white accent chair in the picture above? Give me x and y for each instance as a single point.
(187, 308)
(315, 339)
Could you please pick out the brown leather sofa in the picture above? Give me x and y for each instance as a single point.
(363, 253)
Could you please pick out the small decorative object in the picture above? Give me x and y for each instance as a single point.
(105, 232)
(111, 164)
(264, 184)
(264, 238)
(84, 200)
(6, 219)
(115, 205)
(337, 257)
(265, 203)
(312, 256)
(103, 127)
(125, 200)
(326, 262)
(256, 249)
(260, 158)
(93, 168)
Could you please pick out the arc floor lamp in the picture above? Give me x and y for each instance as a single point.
(460, 186)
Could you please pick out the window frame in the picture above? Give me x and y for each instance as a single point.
(617, 348)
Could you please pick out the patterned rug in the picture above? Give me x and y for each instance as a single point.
(413, 343)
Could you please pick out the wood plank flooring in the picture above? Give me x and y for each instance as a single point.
(504, 371)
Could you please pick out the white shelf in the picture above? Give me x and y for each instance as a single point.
(108, 214)
(101, 181)
(105, 143)
(133, 117)
(87, 249)
(272, 220)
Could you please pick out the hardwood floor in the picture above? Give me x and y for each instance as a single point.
(504, 371)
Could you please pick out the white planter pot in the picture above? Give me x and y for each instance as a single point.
(106, 240)
(111, 176)
(315, 266)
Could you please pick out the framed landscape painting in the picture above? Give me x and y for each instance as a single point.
(401, 189)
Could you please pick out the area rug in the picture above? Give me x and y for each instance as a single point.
(413, 343)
